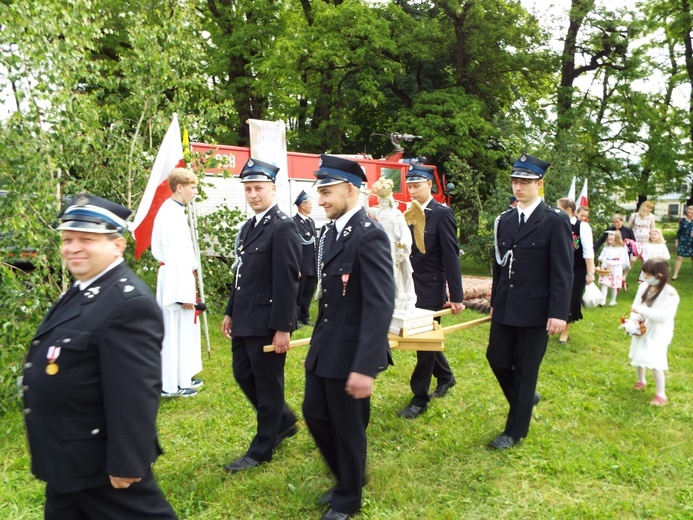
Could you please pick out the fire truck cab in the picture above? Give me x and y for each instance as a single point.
(228, 190)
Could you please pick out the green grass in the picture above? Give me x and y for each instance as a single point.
(595, 448)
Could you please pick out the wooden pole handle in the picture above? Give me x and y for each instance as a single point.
(292, 344)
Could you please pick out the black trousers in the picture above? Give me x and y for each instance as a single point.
(306, 290)
(338, 425)
(428, 364)
(141, 501)
(261, 378)
(515, 354)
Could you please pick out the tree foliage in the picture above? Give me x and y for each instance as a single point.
(94, 84)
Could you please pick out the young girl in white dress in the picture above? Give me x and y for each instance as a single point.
(614, 257)
(655, 248)
(655, 303)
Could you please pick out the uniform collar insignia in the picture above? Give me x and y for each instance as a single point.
(92, 291)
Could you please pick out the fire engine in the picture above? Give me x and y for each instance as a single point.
(228, 190)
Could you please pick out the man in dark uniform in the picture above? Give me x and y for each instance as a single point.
(306, 230)
(262, 311)
(530, 299)
(434, 270)
(349, 344)
(92, 378)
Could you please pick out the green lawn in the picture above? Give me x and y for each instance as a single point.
(595, 449)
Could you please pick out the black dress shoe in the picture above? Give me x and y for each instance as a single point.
(537, 398)
(308, 322)
(289, 432)
(443, 388)
(503, 442)
(412, 411)
(334, 515)
(241, 464)
(326, 497)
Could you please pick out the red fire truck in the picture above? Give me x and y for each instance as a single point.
(301, 166)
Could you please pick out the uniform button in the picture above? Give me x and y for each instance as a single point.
(95, 431)
(67, 340)
(325, 320)
(515, 246)
(239, 275)
(26, 411)
(512, 286)
(35, 342)
(28, 365)
(324, 275)
(325, 306)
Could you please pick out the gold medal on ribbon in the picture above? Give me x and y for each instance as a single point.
(52, 369)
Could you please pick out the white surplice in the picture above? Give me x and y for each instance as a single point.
(172, 246)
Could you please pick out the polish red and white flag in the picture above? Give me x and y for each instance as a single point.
(582, 199)
(157, 191)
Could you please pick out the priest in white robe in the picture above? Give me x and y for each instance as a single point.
(172, 246)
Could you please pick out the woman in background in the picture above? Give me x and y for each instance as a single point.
(583, 264)
(684, 241)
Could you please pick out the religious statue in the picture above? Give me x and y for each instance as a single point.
(395, 225)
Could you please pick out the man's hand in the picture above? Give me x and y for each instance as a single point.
(359, 386)
(456, 307)
(122, 482)
(226, 326)
(555, 326)
(188, 306)
(281, 341)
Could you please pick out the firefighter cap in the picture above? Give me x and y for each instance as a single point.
(302, 197)
(91, 214)
(335, 170)
(419, 173)
(258, 171)
(528, 167)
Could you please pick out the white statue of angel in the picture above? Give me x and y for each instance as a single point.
(395, 225)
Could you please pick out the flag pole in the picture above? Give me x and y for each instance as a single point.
(192, 222)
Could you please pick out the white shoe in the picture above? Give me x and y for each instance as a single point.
(195, 383)
(182, 392)
(611, 304)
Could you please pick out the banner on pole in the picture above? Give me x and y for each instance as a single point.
(268, 143)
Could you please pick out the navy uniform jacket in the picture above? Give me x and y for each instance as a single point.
(350, 334)
(540, 283)
(97, 415)
(306, 228)
(265, 285)
(441, 263)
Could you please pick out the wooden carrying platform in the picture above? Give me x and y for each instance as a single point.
(432, 340)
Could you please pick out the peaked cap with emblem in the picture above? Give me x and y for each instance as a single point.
(91, 214)
(302, 197)
(528, 167)
(335, 170)
(419, 173)
(258, 171)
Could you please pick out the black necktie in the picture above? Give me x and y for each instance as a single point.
(522, 220)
